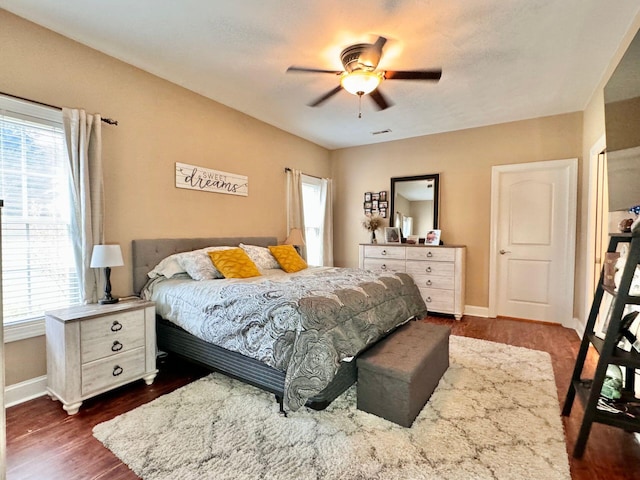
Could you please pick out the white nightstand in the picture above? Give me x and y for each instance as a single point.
(94, 348)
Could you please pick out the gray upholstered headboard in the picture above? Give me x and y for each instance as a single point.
(147, 253)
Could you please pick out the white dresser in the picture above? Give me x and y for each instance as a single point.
(438, 271)
(94, 348)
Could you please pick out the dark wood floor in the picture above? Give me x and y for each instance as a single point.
(43, 442)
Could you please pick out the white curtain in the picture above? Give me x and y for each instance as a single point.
(326, 198)
(295, 208)
(83, 137)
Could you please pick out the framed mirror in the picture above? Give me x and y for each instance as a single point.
(414, 204)
(622, 122)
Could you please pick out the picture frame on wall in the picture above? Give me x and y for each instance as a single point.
(392, 235)
(367, 205)
(367, 196)
(383, 212)
(375, 196)
(383, 196)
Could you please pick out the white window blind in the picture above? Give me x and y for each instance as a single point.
(38, 268)
(312, 219)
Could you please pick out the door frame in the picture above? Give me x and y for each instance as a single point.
(590, 245)
(496, 171)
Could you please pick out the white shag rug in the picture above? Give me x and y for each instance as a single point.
(494, 415)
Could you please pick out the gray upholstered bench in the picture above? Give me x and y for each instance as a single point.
(397, 376)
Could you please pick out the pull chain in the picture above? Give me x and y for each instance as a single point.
(359, 104)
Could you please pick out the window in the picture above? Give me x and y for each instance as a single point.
(313, 218)
(38, 267)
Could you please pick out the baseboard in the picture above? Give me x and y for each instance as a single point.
(24, 391)
(476, 311)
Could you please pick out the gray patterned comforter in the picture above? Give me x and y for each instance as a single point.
(303, 324)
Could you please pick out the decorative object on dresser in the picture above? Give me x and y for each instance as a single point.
(432, 237)
(372, 223)
(439, 271)
(295, 238)
(92, 349)
(392, 235)
(107, 256)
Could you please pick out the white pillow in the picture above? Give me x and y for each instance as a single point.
(168, 267)
(199, 265)
(261, 256)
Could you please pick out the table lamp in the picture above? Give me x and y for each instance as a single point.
(295, 238)
(107, 256)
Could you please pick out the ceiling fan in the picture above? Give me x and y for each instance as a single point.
(360, 77)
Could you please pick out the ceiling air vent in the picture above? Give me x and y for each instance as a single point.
(380, 132)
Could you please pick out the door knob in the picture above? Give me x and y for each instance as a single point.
(502, 251)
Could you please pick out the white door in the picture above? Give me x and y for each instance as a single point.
(533, 240)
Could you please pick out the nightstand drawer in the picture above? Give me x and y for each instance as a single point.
(111, 334)
(383, 265)
(102, 374)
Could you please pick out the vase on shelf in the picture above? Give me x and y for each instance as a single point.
(373, 237)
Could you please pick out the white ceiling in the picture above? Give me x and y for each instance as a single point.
(502, 60)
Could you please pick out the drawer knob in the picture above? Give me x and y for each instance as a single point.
(428, 269)
(383, 267)
(116, 347)
(384, 252)
(429, 283)
(116, 326)
(429, 254)
(117, 370)
(428, 299)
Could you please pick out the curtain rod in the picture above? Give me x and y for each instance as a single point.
(110, 121)
(287, 169)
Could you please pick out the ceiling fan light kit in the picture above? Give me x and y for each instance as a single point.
(360, 82)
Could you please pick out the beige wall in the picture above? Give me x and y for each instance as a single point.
(159, 124)
(464, 160)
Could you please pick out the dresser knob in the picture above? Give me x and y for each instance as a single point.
(117, 370)
(428, 299)
(428, 283)
(116, 347)
(429, 254)
(116, 326)
(384, 252)
(428, 269)
(383, 267)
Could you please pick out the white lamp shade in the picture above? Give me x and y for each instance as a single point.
(295, 237)
(360, 82)
(106, 256)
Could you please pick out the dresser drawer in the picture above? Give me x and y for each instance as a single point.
(433, 281)
(436, 254)
(383, 251)
(111, 334)
(441, 269)
(438, 300)
(101, 374)
(384, 265)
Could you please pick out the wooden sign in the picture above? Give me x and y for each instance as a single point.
(207, 180)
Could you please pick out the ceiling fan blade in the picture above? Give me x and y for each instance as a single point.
(326, 96)
(413, 75)
(312, 70)
(381, 100)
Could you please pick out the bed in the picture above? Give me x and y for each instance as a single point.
(331, 316)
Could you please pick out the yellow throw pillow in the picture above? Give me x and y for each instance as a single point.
(234, 263)
(288, 258)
